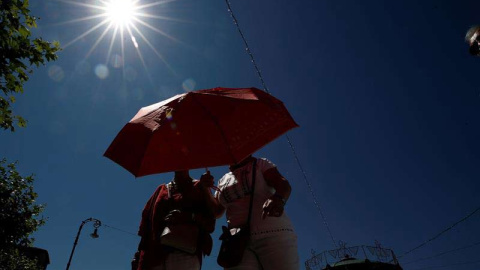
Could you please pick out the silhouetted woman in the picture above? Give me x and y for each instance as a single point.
(273, 242)
(182, 201)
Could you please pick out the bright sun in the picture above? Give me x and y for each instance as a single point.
(124, 20)
(120, 12)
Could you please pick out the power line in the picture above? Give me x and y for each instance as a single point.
(441, 266)
(259, 73)
(310, 188)
(440, 233)
(247, 48)
(443, 253)
(119, 230)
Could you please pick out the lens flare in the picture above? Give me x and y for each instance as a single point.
(189, 85)
(101, 71)
(56, 73)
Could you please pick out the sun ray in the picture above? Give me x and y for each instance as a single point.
(111, 43)
(153, 49)
(83, 4)
(85, 33)
(122, 47)
(80, 19)
(157, 30)
(141, 57)
(164, 18)
(155, 4)
(98, 40)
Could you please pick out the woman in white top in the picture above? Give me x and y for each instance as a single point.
(273, 243)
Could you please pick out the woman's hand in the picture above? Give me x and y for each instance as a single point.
(273, 207)
(207, 180)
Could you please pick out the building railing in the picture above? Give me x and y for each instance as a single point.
(378, 254)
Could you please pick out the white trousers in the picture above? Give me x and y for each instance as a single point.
(179, 260)
(275, 252)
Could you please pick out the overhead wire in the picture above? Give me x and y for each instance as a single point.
(259, 73)
(448, 265)
(111, 227)
(440, 233)
(247, 48)
(443, 253)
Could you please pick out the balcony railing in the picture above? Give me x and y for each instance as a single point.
(377, 254)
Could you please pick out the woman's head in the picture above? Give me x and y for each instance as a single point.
(241, 163)
(473, 34)
(474, 49)
(182, 174)
(473, 39)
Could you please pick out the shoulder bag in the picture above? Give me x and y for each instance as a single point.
(183, 236)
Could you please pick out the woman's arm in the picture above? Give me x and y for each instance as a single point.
(274, 205)
(214, 206)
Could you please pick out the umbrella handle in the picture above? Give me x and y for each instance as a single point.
(212, 187)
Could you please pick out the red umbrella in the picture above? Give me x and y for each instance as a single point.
(199, 129)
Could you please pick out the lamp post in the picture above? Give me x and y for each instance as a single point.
(97, 223)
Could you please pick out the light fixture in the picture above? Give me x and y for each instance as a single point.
(94, 234)
(97, 223)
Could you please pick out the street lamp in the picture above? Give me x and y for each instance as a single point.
(97, 223)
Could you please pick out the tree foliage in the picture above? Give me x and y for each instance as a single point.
(19, 52)
(19, 216)
(13, 259)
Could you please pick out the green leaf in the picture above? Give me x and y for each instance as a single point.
(21, 122)
(24, 31)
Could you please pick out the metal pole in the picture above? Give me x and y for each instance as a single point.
(78, 235)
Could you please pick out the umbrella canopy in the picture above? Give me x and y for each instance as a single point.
(199, 129)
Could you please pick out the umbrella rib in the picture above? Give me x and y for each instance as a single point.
(147, 146)
(214, 119)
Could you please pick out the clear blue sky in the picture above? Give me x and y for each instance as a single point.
(385, 93)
